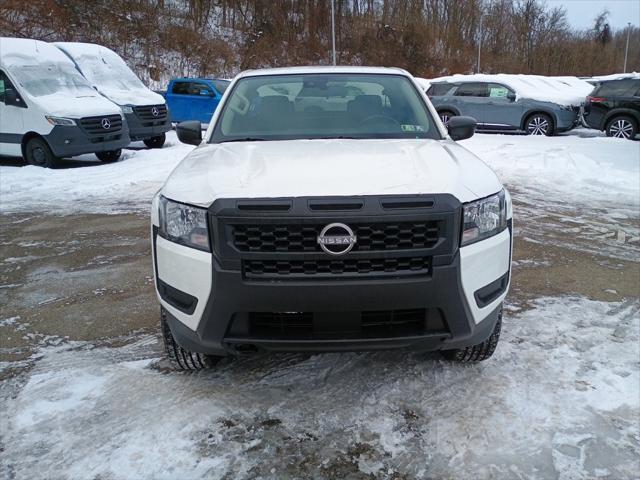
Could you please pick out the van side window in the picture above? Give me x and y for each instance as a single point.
(4, 84)
(472, 89)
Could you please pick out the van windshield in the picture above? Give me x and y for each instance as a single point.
(49, 79)
(337, 105)
(109, 74)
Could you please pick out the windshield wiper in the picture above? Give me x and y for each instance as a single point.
(335, 136)
(244, 139)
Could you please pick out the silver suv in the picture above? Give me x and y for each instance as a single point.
(496, 107)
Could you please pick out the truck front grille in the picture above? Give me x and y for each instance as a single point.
(304, 238)
(151, 113)
(335, 267)
(102, 126)
(368, 324)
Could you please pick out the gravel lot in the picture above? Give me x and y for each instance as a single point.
(85, 392)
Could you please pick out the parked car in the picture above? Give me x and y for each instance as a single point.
(614, 106)
(194, 98)
(354, 223)
(501, 106)
(48, 110)
(145, 111)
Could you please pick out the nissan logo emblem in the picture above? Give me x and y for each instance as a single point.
(106, 124)
(154, 111)
(336, 239)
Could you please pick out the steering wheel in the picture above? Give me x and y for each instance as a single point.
(380, 119)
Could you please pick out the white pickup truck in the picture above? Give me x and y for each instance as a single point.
(358, 226)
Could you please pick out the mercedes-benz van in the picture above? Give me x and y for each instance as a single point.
(48, 110)
(145, 111)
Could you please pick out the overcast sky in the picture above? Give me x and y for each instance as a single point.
(582, 12)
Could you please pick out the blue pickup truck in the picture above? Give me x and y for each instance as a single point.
(194, 98)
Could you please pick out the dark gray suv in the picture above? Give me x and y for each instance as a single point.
(496, 107)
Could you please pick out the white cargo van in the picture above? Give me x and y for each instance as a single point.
(145, 111)
(49, 110)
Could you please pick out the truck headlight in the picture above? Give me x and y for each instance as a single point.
(66, 122)
(184, 224)
(126, 109)
(483, 218)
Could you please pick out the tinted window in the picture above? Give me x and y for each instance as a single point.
(497, 90)
(4, 84)
(180, 88)
(221, 85)
(324, 106)
(439, 89)
(472, 90)
(617, 88)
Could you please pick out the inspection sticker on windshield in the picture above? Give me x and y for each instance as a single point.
(412, 128)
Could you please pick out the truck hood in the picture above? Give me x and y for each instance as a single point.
(335, 167)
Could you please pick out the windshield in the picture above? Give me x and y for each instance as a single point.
(109, 73)
(288, 107)
(48, 79)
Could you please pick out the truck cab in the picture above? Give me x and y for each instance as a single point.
(48, 110)
(194, 98)
(145, 111)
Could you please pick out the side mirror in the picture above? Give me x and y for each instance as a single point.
(11, 98)
(189, 132)
(511, 96)
(461, 127)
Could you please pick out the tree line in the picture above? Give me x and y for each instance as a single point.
(165, 38)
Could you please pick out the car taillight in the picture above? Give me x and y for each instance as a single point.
(596, 99)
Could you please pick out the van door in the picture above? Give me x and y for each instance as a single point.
(11, 119)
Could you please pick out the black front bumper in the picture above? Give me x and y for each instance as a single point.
(329, 311)
(68, 141)
(231, 294)
(142, 128)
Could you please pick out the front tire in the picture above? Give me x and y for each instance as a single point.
(481, 351)
(181, 358)
(622, 127)
(539, 124)
(38, 153)
(155, 142)
(109, 156)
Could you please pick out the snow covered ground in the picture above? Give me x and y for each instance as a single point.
(557, 401)
(560, 398)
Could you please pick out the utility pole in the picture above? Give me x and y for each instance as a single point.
(333, 32)
(626, 50)
(482, 15)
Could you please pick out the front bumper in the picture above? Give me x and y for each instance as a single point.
(144, 128)
(68, 141)
(213, 307)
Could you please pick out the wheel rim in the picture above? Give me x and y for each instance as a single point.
(38, 155)
(445, 119)
(538, 126)
(621, 129)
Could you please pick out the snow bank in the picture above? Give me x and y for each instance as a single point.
(546, 89)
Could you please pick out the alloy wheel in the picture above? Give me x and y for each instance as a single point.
(445, 117)
(538, 126)
(621, 128)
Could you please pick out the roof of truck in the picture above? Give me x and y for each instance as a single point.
(322, 69)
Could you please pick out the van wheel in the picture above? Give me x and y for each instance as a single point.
(38, 153)
(109, 156)
(445, 116)
(539, 124)
(479, 352)
(622, 127)
(182, 358)
(155, 142)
